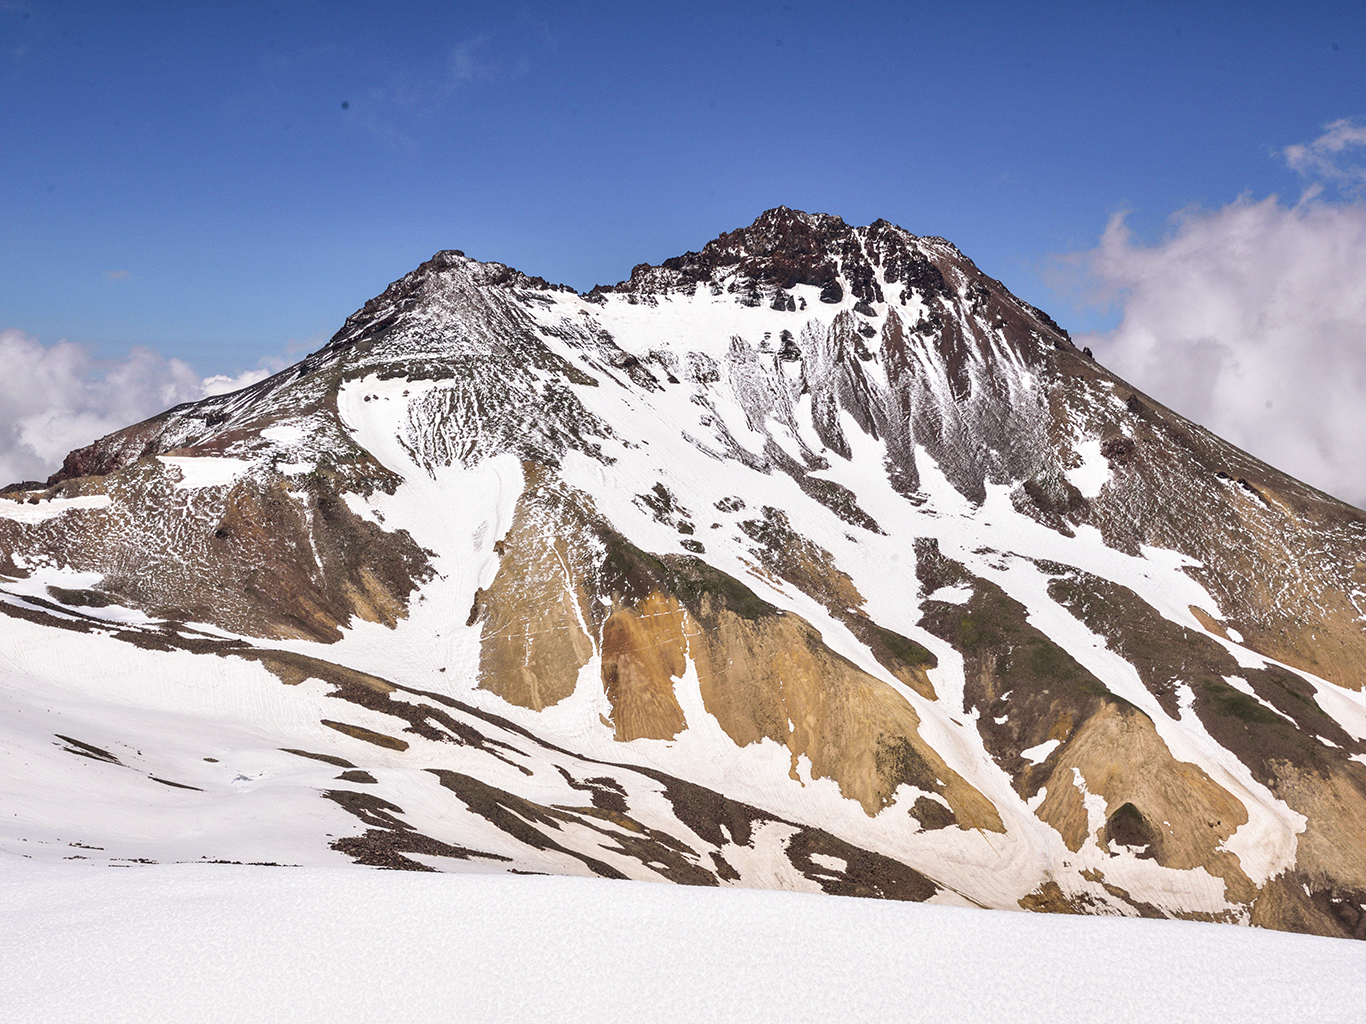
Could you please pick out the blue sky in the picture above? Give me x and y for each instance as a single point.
(185, 176)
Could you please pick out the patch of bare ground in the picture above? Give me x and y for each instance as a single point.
(812, 569)
(763, 673)
(388, 837)
(1029, 691)
(1290, 744)
(644, 649)
(531, 616)
(267, 556)
(1281, 558)
(357, 732)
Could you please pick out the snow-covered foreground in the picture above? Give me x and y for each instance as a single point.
(224, 943)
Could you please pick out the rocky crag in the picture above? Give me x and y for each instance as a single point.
(814, 559)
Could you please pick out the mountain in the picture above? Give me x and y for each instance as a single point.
(813, 559)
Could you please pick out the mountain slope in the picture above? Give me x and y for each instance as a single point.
(813, 559)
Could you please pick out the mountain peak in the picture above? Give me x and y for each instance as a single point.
(784, 248)
(452, 268)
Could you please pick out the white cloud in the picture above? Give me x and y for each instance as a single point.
(1328, 158)
(55, 398)
(222, 384)
(1251, 320)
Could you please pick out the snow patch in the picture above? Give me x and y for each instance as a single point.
(23, 512)
(957, 594)
(285, 433)
(836, 864)
(1093, 472)
(1039, 754)
(205, 470)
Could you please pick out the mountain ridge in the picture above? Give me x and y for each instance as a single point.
(812, 558)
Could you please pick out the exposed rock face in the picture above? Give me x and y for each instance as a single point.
(811, 559)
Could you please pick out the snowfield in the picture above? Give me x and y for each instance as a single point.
(215, 943)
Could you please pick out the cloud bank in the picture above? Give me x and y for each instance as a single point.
(1251, 320)
(54, 398)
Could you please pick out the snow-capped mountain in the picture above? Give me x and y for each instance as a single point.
(811, 560)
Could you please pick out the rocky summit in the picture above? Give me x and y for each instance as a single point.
(814, 559)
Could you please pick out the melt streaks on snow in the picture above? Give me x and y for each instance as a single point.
(447, 507)
(457, 512)
(998, 869)
(890, 591)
